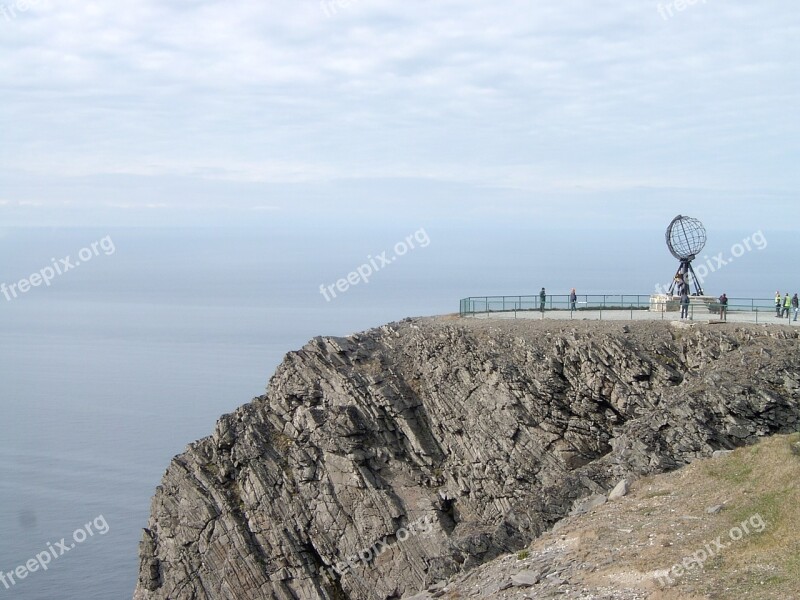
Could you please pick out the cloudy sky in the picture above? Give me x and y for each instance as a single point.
(569, 112)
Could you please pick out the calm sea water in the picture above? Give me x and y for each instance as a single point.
(109, 372)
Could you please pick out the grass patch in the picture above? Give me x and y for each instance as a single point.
(734, 469)
(523, 554)
(769, 506)
(793, 560)
(759, 487)
(764, 481)
(656, 494)
(794, 444)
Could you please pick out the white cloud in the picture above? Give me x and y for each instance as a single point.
(540, 97)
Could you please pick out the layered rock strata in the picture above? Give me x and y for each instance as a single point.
(381, 463)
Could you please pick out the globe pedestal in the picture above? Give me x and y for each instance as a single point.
(664, 303)
(672, 303)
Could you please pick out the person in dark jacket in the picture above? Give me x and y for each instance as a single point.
(723, 307)
(684, 305)
(795, 305)
(542, 299)
(573, 299)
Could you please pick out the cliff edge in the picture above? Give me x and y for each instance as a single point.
(379, 464)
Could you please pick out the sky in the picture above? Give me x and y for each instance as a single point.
(569, 114)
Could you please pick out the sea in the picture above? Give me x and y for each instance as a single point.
(121, 345)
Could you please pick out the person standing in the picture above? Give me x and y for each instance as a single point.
(777, 304)
(723, 307)
(795, 305)
(684, 305)
(787, 304)
(573, 299)
(680, 284)
(542, 299)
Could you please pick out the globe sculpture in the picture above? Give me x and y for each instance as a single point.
(686, 238)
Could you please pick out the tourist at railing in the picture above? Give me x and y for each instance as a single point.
(684, 305)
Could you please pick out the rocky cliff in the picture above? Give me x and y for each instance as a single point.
(379, 464)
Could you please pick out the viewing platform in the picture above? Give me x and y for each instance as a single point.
(622, 307)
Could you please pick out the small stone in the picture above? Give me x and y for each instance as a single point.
(721, 453)
(583, 506)
(620, 490)
(526, 578)
(713, 510)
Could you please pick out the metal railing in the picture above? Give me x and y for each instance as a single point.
(488, 304)
(592, 306)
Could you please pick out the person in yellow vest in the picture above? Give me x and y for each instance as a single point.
(778, 304)
(787, 304)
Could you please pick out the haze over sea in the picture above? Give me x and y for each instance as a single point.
(125, 359)
(228, 160)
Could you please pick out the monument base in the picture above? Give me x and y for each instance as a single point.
(671, 303)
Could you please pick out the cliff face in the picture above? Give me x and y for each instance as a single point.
(379, 464)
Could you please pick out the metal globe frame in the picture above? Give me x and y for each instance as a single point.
(685, 238)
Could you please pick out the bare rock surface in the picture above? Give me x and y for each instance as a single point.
(381, 464)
